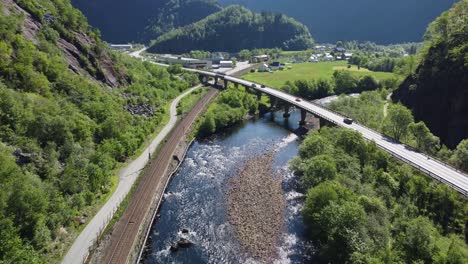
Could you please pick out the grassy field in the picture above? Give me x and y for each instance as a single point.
(310, 71)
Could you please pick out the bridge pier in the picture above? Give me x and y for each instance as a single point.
(216, 80)
(286, 112)
(259, 95)
(303, 117)
(273, 103)
(226, 83)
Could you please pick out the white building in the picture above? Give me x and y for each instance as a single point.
(348, 55)
(121, 46)
(313, 58)
(328, 57)
(264, 68)
(186, 62)
(226, 64)
(261, 58)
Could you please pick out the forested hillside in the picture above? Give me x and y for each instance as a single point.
(142, 20)
(364, 207)
(384, 22)
(233, 29)
(64, 126)
(437, 92)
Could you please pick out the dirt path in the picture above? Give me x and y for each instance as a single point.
(127, 177)
(385, 108)
(149, 191)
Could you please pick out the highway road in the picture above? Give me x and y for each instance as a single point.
(434, 168)
(444, 173)
(127, 177)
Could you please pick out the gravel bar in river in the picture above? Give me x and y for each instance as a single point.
(256, 207)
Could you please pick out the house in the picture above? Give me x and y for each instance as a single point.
(347, 55)
(261, 58)
(277, 66)
(328, 57)
(320, 48)
(226, 64)
(313, 58)
(264, 68)
(339, 50)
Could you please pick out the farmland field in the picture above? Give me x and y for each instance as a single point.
(310, 71)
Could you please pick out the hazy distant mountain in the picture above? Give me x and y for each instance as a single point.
(142, 20)
(375, 20)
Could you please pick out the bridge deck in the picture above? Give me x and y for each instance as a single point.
(434, 168)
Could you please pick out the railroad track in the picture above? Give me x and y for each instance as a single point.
(150, 188)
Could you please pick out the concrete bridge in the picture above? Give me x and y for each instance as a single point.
(436, 169)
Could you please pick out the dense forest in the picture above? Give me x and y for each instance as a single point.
(233, 29)
(122, 21)
(437, 91)
(364, 207)
(364, 20)
(64, 128)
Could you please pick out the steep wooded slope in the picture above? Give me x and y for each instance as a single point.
(438, 91)
(70, 111)
(233, 29)
(142, 20)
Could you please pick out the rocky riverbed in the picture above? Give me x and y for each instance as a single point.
(256, 207)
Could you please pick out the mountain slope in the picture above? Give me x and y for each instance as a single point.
(383, 22)
(142, 20)
(233, 29)
(438, 91)
(70, 111)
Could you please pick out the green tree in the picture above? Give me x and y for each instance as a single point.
(396, 123)
(208, 126)
(174, 69)
(344, 82)
(419, 241)
(244, 55)
(319, 169)
(425, 140)
(460, 156)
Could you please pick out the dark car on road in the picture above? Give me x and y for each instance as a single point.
(298, 100)
(263, 86)
(254, 85)
(348, 121)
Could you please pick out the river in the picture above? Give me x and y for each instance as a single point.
(196, 197)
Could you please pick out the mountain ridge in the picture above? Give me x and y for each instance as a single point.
(383, 22)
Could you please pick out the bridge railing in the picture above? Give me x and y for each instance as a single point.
(393, 153)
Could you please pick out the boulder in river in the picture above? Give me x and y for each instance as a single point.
(174, 247)
(184, 243)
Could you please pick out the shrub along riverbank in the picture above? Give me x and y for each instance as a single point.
(364, 207)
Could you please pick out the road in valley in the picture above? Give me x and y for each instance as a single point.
(434, 168)
(127, 177)
(444, 173)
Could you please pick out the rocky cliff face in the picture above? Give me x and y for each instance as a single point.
(82, 52)
(438, 91)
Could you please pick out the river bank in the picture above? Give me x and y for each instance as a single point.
(256, 207)
(195, 203)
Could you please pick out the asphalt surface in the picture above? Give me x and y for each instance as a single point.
(438, 170)
(127, 177)
(434, 168)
